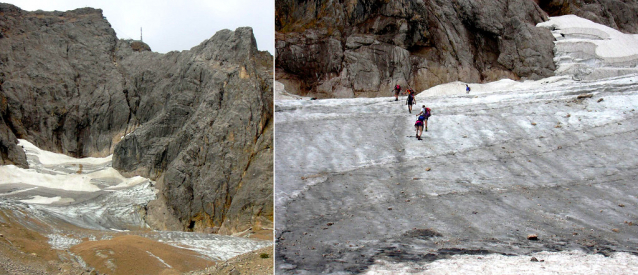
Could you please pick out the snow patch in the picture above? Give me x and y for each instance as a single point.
(58, 171)
(47, 200)
(159, 259)
(19, 191)
(72, 182)
(566, 262)
(62, 242)
(587, 50)
(51, 158)
(215, 247)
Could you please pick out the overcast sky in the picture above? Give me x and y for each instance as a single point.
(174, 25)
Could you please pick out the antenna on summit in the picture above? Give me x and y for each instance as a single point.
(141, 35)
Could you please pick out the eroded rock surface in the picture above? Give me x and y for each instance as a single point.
(199, 121)
(363, 48)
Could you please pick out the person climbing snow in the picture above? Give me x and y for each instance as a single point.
(419, 126)
(411, 100)
(397, 90)
(426, 113)
(467, 89)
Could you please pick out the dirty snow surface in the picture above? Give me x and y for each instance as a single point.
(356, 192)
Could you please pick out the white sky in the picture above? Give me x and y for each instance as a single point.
(174, 25)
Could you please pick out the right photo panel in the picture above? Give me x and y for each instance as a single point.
(456, 137)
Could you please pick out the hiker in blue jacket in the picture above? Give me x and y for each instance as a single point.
(419, 126)
(467, 89)
(411, 100)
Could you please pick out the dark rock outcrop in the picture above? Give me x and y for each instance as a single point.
(617, 14)
(363, 48)
(10, 152)
(139, 46)
(199, 122)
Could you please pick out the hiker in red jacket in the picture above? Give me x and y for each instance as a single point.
(426, 113)
(397, 90)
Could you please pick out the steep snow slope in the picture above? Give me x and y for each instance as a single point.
(356, 192)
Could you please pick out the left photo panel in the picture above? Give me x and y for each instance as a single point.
(136, 137)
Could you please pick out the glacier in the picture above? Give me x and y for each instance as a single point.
(356, 192)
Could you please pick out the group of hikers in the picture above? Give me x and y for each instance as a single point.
(422, 117)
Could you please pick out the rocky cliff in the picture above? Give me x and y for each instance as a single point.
(353, 48)
(363, 48)
(198, 121)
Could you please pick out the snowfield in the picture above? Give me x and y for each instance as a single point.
(356, 192)
(586, 50)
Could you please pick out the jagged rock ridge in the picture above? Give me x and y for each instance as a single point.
(198, 121)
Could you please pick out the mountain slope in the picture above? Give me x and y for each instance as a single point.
(199, 122)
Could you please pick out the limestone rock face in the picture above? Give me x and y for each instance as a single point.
(62, 87)
(363, 48)
(205, 132)
(199, 122)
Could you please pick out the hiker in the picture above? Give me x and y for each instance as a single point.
(467, 88)
(419, 126)
(411, 100)
(397, 90)
(426, 113)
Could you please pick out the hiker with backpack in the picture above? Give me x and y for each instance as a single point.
(426, 113)
(467, 89)
(419, 126)
(411, 100)
(397, 90)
